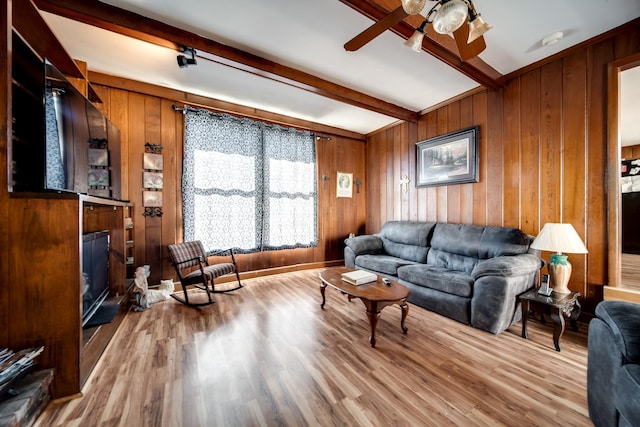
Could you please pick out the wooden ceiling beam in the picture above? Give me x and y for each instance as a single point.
(130, 24)
(443, 49)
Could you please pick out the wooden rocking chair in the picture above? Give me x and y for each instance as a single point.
(185, 256)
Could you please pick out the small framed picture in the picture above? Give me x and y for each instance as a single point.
(152, 161)
(98, 177)
(152, 180)
(98, 157)
(345, 185)
(152, 199)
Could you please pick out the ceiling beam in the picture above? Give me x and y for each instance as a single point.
(443, 49)
(130, 24)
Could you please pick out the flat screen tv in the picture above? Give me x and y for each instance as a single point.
(82, 146)
(95, 272)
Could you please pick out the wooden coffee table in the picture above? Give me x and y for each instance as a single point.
(375, 296)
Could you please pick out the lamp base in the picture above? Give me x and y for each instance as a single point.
(560, 273)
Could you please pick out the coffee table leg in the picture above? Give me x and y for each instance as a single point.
(405, 311)
(373, 314)
(323, 286)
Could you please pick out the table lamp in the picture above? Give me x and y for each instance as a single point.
(559, 238)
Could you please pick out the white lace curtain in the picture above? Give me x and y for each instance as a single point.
(248, 185)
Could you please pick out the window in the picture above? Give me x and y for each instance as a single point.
(248, 185)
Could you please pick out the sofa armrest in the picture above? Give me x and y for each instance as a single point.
(507, 266)
(367, 244)
(623, 320)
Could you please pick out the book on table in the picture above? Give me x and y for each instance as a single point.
(359, 277)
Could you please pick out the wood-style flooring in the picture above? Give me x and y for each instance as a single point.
(268, 355)
(630, 272)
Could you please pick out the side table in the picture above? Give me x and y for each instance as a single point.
(557, 306)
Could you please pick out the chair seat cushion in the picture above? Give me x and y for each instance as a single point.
(211, 271)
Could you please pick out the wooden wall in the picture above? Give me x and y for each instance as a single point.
(631, 152)
(151, 118)
(543, 158)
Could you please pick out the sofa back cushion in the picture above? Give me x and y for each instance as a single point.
(461, 246)
(407, 239)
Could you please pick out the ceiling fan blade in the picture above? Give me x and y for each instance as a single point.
(376, 29)
(468, 50)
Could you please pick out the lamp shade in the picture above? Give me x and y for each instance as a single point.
(560, 238)
(413, 7)
(450, 16)
(415, 41)
(477, 27)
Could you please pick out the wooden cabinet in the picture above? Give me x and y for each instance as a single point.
(46, 280)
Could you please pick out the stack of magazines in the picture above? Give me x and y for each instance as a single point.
(14, 365)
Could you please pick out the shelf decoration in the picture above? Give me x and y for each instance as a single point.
(152, 180)
(98, 173)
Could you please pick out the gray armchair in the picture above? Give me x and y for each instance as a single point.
(613, 367)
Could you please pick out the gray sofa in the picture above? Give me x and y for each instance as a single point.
(613, 365)
(470, 273)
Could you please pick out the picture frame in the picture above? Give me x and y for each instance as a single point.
(448, 159)
(152, 199)
(98, 157)
(152, 161)
(98, 177)
(152, 180)
(344, 185)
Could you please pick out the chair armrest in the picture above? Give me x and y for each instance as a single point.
(507, 265)
(221, 252)
(367, 244)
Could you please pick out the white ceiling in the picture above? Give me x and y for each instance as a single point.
(309, 36)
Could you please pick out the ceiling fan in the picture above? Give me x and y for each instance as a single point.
(457, 18)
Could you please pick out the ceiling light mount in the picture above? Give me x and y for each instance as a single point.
(447, 16)
(183, 61)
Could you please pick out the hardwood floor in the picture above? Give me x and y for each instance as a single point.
(268, 355)
(630, 272)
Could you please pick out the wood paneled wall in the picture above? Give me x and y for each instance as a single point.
(542, 154)
(631, 152)
(149, 118)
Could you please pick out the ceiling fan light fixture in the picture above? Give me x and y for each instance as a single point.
(477, 27)
(413, 7)
(415, 41)
(450, 16)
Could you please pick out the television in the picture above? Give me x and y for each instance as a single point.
(81, 144)
(60, 141)
(95, 272)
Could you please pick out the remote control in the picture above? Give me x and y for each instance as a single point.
(386, 281)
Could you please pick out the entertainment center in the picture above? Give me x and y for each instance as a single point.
(68, 229)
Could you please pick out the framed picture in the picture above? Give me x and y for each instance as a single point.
(98, 177)
(98, 157)
(152, 161)
(448, 159)
(152, 180)
(152, 199)
(345, 185)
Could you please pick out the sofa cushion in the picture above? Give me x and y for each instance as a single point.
(407, 239)
(438, 278)
(381, 263)
(480, 242)
(366, 244)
